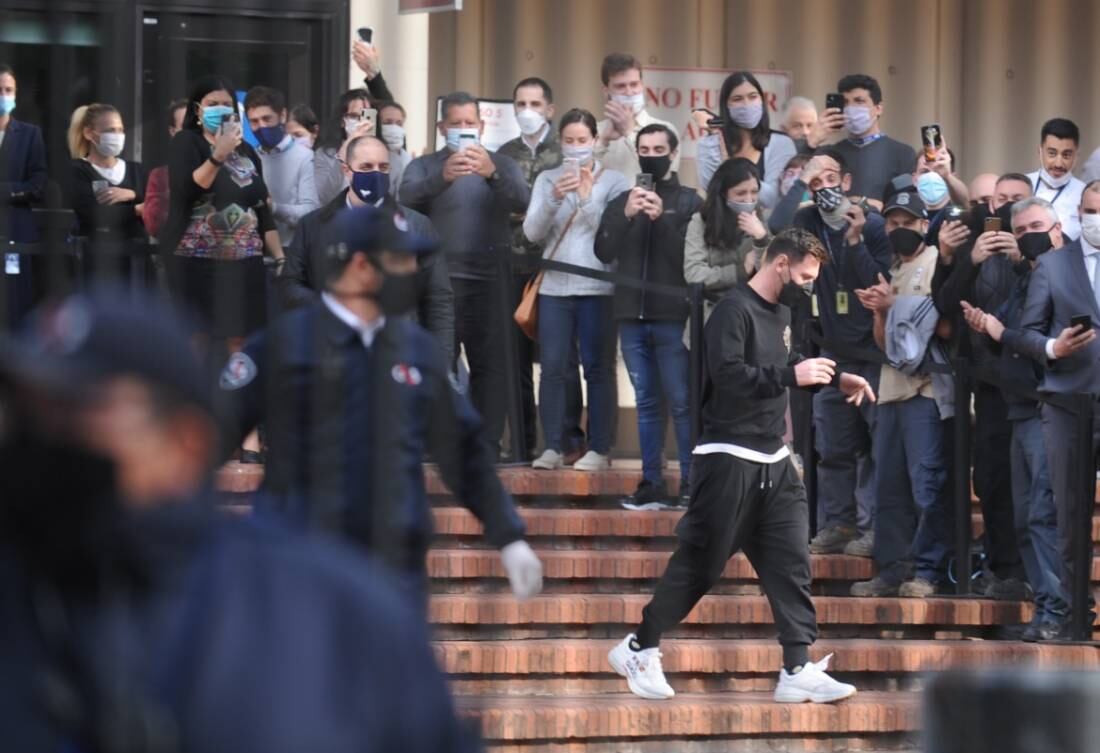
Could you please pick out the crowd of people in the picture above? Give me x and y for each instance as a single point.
(892, 266)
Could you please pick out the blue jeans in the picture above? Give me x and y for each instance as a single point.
(911, 522)
(564, 320)
(657, 362)
(1037, 519)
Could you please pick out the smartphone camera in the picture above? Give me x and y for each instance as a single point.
(645, 180)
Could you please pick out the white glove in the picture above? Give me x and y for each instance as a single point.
(523, 568)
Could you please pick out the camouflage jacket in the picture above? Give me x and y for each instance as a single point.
(546, 157)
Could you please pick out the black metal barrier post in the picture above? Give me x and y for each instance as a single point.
(1085, 473)
(962, 477)
(695, 363)
(809, 440)
(506, 306)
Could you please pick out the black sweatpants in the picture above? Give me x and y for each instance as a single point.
(737, 505)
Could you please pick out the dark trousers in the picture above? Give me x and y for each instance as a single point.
(846, 461)
(1063, 459)
(1037, 519)
(992, 484)
(912, 531)
(480, 329)
(737, 505)
(526, 355)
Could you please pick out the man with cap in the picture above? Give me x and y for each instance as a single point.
(354, 396)
(911, 541)
(138, 618)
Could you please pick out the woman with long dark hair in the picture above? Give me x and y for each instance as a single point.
(746, 132)
(219, 221)
(726, 238)
(347, 124)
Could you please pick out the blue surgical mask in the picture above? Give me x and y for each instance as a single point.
(745, 207)
(370, 187)
(7, 104)
(458, 138)
(271, 136)
(747, 116)
(580, 153)
(212, 116)
(932, 189)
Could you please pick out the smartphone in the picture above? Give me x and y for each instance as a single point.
(834, 101)
(365, 34)
(992, 225)
(1083, 321)
(99, 186)
(931, 137)
(645, 180)
(466, 140)
(571, 166)
(231, 122)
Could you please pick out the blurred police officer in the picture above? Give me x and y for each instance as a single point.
(137, 619)
(353, 396)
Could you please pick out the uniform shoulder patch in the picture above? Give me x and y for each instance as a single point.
(407, 375)
(238, 372)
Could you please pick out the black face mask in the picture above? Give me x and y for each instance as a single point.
(399, 294)
(1005, 213)
(658, 167)
(1032, 245)
(792, 295)
(905, 241)
(58, 504)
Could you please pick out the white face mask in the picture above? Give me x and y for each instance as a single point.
(111, 144)
(636, 102)
(394, 136)
(1090, 229)
(530, 121)
(305, 141)
(1053, 182)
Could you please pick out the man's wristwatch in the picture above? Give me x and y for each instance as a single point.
(494, 177)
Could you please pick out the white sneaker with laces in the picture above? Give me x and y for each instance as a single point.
(642, 670)
(592, 461)
(811, 684)
(549, 460)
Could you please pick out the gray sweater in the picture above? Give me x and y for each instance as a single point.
(778, 152)
(873, 166)
(288, 173)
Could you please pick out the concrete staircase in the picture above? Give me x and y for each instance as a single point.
(535, 675)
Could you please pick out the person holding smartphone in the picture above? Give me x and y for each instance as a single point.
(566, 206)
(746, 132)
(351, 120)
(220, 225)
(625, 114)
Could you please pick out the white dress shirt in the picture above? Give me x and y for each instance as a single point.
(1066, 201)
(366, 331)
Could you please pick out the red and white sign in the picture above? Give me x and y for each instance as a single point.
(672, 93)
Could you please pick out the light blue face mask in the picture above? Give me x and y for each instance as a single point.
(932, 189)
(7, 104)
(213, 116)
(743, 207)
(459, 138)
(583, 154)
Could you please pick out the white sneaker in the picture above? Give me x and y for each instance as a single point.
(549, 460)
(592, 461)
(812, 684)
(642, 670)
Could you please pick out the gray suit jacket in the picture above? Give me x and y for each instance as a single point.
(1060, 288)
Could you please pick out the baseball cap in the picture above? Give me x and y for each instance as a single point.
(908, 201)
(371, 229)
(69, 347)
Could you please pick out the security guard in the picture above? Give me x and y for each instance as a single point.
(353, 396)
(137, 619)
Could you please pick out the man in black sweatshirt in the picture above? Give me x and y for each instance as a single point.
(745, 493)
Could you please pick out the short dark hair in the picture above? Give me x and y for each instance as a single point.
(457, 99)
(382, 104)
(1060, 128)
(673, 140)
(796, 244)
(304, 116)
(5, 68)
(860, 81)
(534, 81)
(1013, 176)
(616, 63)
(577, 115)
(837, 157)
(264, 96)
(200, 89)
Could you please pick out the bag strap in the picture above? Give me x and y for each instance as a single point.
(573, 216)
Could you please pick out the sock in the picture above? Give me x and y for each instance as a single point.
(645, 638)
(794, 658)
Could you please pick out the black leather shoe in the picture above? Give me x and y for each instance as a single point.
(1047, 630)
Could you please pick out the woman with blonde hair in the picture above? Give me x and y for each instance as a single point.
(105, 191)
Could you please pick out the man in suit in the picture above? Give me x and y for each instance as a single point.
(23, 178)
(1065, 284)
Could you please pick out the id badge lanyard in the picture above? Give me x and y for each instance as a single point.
(841, 293)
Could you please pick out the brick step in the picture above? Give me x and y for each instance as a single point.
(897, 742)
(566, 667)
(500, 616)
(754, 717)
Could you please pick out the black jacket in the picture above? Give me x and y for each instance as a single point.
(300, 282)
(648, 250)
(113, 221)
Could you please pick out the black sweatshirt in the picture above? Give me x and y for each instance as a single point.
(749, 366)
